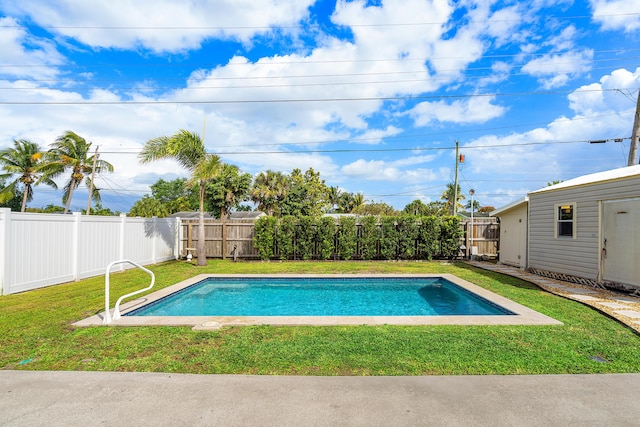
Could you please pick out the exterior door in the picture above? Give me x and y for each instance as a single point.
(621, 241)
(513, 238)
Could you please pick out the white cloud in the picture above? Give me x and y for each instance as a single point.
(24, 55)
(160, 25)
(555, 70)
(395, 171)
(561, 150)
(616, 14)
(605, 97)
(477, 109)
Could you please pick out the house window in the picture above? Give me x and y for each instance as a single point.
(566, 220)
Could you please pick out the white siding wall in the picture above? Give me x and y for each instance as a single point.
(579, 256)
(39, 250)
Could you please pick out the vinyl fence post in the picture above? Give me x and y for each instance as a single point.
(5, 231)
(123, 223)
(154, 237)
(75, 252)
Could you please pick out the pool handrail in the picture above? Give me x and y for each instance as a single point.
(116, 312)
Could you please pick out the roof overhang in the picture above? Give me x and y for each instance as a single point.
(513, 205)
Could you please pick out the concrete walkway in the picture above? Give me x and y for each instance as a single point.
(32, 398)
(622, 307)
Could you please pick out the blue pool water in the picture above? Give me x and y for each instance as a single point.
(321, 297)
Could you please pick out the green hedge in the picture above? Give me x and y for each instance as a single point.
(385, 237)
(264, 237)
(369, 237)
(285, 237)
(325, 237)
(347, 238)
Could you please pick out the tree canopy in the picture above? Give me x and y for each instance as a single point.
(25, 162)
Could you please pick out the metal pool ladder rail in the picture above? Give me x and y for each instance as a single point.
(116, 312)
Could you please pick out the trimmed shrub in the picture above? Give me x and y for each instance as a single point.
(428, 237)
(285, 237)
(325, 237)
(388, 237)
(263, 238)
(305, 237)
(369, 235)
(347, 237)
(407, 232)
(450, 234)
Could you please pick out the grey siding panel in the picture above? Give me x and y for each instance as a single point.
(579, 256)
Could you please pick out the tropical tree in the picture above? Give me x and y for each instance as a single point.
(268, 191)
(486, 209)
(307, 194)
(26, 162)
(71, 152)
(449, 195)
(357, 201)
(349, 201)
(148, 207)
(47, 209)
(476, 205)
(375, 208)
(15, 202)
(333, 196)
(416, 208)
(227, 190)
(187, 148)
(175, 195)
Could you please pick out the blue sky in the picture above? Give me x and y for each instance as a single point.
(373, 95)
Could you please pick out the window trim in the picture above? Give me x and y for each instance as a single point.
(557, 220)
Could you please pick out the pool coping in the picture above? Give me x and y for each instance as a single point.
(522, 315)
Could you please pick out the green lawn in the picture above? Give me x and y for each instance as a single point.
(36, 333)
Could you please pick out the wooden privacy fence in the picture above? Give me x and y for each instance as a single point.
(485, 237)
(236, 237)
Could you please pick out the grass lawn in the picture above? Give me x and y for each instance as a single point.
(37, 333)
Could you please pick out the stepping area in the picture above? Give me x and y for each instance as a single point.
(622, 307)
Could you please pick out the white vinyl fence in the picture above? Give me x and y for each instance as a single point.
(38, 250)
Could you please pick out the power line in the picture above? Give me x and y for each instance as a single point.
(304, 100)
(387, 150)
(430, 78)
(309, 61)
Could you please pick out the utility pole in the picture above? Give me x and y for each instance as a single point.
(633, 149)
(455, 185)
(93, 174)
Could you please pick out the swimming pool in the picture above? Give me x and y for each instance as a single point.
(322, 296)
(520, 315)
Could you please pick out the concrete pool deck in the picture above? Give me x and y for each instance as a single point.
(522, 315)
(44, 398)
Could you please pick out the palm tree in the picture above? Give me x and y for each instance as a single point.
(234, 185)
(449, 194)
(269, 189)
(71, 151)
(358, 200)
(187, 148)
(26, 160)
(334, 198)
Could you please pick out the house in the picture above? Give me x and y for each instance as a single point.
(189, 215)
(585, 230)
(246, 215)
